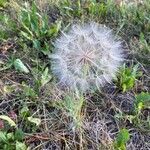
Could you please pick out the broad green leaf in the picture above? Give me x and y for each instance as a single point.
(18, 64)
(25, 112)
(3, 137)
(20, 146)
(121, 140)
(128, 76)
(19, 135)
(123, 137)
(9, 120)
(45, 77)
(10, 136)
(36, 121)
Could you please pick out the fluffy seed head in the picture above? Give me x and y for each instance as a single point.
(87, 56)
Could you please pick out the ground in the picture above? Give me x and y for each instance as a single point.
(35, 113)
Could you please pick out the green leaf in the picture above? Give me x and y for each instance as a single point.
(143, 97)
(25, 112)
(122, 138)
(34, 27)
(142, 100)
(36, 121)
(127, 77)
(54, 29)
(19, 135)
(10, 136)
(26, 35)
(3, 137)
(20, 146)
(44, 26)
(46, 49)
(3, 3)
(45, 77)
(135, 69)
(29, 92)
(18, 64)
(140, 106)
(37, 44)
(124, 87)
(9, 120)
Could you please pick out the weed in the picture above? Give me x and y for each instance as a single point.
(18, 64)
(35, 27)
(73, 106)
(12, 140)
(121, 140)
(29, 92)
(41, 77)
(144, 46)
(127, 77)
(14, 63)
(142, 101)
(3, 3)
(7, 25)
(95, 8)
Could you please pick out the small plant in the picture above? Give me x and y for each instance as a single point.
(73, 107)
(7, 26)
(12, 140)
(3, 3)
(95, 8)
(16, 63)
(29, 92)
(86, 57)
(41, 77)
(71, 9)
(144, 46)
(142, 101)
(121, 140)
(7, 65)
(127, 77)
(35, 27)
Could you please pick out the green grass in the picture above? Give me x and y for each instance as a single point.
(47, 116)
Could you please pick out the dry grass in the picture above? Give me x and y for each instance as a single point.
(69, 121)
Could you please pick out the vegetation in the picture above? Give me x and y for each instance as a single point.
(36, 113)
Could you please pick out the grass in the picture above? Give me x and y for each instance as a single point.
(49, 117)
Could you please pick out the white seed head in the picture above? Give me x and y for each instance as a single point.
(87, 56)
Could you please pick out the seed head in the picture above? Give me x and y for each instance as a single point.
(87, 56)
